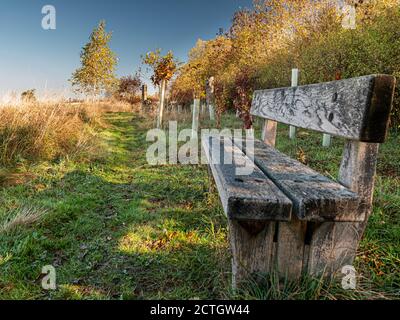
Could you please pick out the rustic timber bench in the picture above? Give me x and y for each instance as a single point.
(284, 216)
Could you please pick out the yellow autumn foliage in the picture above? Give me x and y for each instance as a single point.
(265, 42)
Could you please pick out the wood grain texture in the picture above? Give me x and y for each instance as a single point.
(356, 109)
(358, 170)
(290, 248)
(314, 196)
(334, 245)
(269, 133)
(252, 253)
(244, 197)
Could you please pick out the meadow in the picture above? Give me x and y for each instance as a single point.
(76, 192)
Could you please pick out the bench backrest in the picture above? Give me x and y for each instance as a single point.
(356, 109)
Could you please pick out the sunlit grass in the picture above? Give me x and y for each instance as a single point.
(117, 228)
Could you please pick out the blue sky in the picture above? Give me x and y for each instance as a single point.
(31, 57)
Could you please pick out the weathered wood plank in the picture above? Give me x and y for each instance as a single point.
(252, 252)
(314, 196)
(357, 109)
(358, 170)
(333, 246)
(270, 131)
(290, 248)
(244, 197)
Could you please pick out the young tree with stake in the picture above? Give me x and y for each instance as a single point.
(164, 68)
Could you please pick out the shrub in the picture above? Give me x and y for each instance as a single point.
(370, 50)
(129, 88)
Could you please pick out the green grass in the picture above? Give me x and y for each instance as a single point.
(117, 228)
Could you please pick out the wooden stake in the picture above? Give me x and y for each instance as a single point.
(144, 96)
(203, 108)
(162, 102)
(269, 132)
(212, 112)
(196, 114)
(327, 140)
(210, 97)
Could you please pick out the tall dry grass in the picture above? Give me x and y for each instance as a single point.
(21, 217)
(47, 131)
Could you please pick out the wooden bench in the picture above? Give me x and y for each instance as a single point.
(284, 216)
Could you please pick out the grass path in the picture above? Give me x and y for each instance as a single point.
(117, 228)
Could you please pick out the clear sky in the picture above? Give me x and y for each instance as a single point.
(31, 57)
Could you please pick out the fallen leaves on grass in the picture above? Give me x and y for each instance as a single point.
(301, 156)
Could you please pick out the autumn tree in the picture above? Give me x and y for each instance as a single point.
(266, 41)
(164, 68)
(235, 57)
(98, 63)
(207, 59)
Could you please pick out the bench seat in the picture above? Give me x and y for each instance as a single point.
(244, 197)
(315, 197)
(277, 186)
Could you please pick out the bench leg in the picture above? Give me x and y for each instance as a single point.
(252, 248)
(317, 249)
(333, 246)
(291, 239)
(292, 248)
